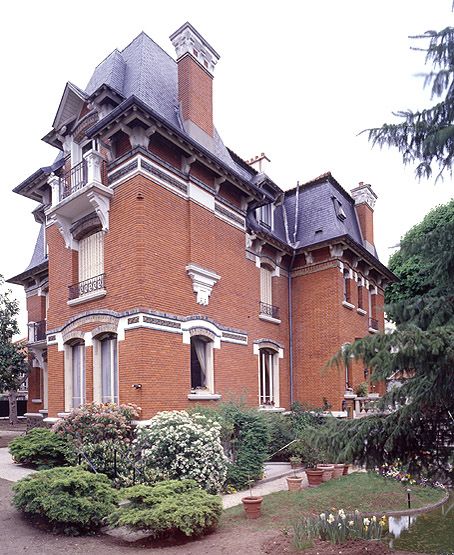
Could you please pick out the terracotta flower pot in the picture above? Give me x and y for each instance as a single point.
(252, 506)
(294, 483)
(338, 470)
(314, 476)
(328, 470)
(346, 468)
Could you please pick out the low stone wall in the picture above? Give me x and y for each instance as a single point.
(36, 420)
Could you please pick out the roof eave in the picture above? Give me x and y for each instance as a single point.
(30, 272)
(133, 100)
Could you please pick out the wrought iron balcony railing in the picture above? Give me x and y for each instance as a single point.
(37, 331)
(373, 324)
(87, 286)
(73, 180)
(269, 310)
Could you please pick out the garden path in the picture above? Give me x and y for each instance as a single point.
(9, 470)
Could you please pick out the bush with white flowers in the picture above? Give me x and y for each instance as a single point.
(182, 446)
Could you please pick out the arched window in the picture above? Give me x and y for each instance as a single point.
(268, 378)
(202, 378)
(74, 373)
(109, 368)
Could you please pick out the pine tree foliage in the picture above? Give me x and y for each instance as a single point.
(426, 137)
(415, 422)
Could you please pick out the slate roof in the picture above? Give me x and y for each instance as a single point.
(144, 70)
(38, 259)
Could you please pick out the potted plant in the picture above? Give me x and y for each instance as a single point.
(346, 469)
(295, 461)
(362, 389)
(294, 482)
(311, 455)
(328, 470)
(338, 470)
(252, 504)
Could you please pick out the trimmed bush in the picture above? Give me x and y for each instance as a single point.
(41, 448)
(182, 446)
(71, 499)
(169, 507)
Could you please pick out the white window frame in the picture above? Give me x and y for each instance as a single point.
(265, 215)
(274, 389)
(69, 375)
(113, 396)
(91, 256)
(209, 354)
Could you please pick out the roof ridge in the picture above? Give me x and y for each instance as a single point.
(115, 50)
(143, 34)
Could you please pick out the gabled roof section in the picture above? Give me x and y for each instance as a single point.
(70, 105)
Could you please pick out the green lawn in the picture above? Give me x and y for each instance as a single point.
(366, 492)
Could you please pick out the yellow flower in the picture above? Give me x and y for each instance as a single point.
(366, 522)
(322, 516)
(331, 518)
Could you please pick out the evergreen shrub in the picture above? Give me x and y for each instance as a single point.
(70, 499)
(41, 448)
(172, 506)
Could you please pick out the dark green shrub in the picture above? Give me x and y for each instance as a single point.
(281, 434)
(71, 499)
(169, 507)
(245, 438)
(41, 448)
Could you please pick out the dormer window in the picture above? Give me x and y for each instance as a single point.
(265, 215)
(339, 210)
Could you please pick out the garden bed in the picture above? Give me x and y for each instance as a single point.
(366, 492)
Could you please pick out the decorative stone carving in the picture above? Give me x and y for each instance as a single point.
(336, 251)
(363, 194)
(203, 282)
(101, 204)
(186, 40)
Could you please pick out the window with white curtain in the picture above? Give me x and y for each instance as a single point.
(91, 256)
(201, 363)
(109, 369)
(78, 375)
(266, 280)
(268, 378)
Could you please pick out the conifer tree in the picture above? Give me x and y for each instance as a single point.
(426, 137)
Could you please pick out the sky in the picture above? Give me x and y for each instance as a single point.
(297, 80)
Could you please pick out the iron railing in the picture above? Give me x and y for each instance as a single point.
(373, 324)
(73, 180)
(87, 286)
(269, 310)
(37, 331)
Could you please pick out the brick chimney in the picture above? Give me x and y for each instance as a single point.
(196, 60)
(365, 198)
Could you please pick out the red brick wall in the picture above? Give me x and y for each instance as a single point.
(195, 93)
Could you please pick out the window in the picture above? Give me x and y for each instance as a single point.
(360, 294)
(77, 375)
(91, 256)
(347, 292)
(338, 209)
(268, 378)
(265, 215)
(202, 364)
(109, 369)
(348, 369)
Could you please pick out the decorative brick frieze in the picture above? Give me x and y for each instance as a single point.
(229, 215)
(133, 320)
(164, 176)
(160, 322)
(125, 170)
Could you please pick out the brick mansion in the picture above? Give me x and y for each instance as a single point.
(169, 271)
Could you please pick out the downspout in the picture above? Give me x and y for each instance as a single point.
(289, 286)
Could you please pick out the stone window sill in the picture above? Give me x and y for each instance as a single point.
(272, 409)
(89, 297)
(267, 318)
(373, 330)
(204, 396)
(361, 311)
(348, 305)
(37, 401)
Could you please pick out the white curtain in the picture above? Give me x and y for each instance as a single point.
(109, 374)
(201, 352)
(78, 376)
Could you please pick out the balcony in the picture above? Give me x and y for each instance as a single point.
(88, 289)
(37, 331)
(269, 312)
(79, 192)
(73, 180)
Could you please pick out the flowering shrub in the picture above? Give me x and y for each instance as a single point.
(94, 422)
(102, 435)
(168, 507)
(182, 446)
(338, 528)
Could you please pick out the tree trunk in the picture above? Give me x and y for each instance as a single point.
(12, 399)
